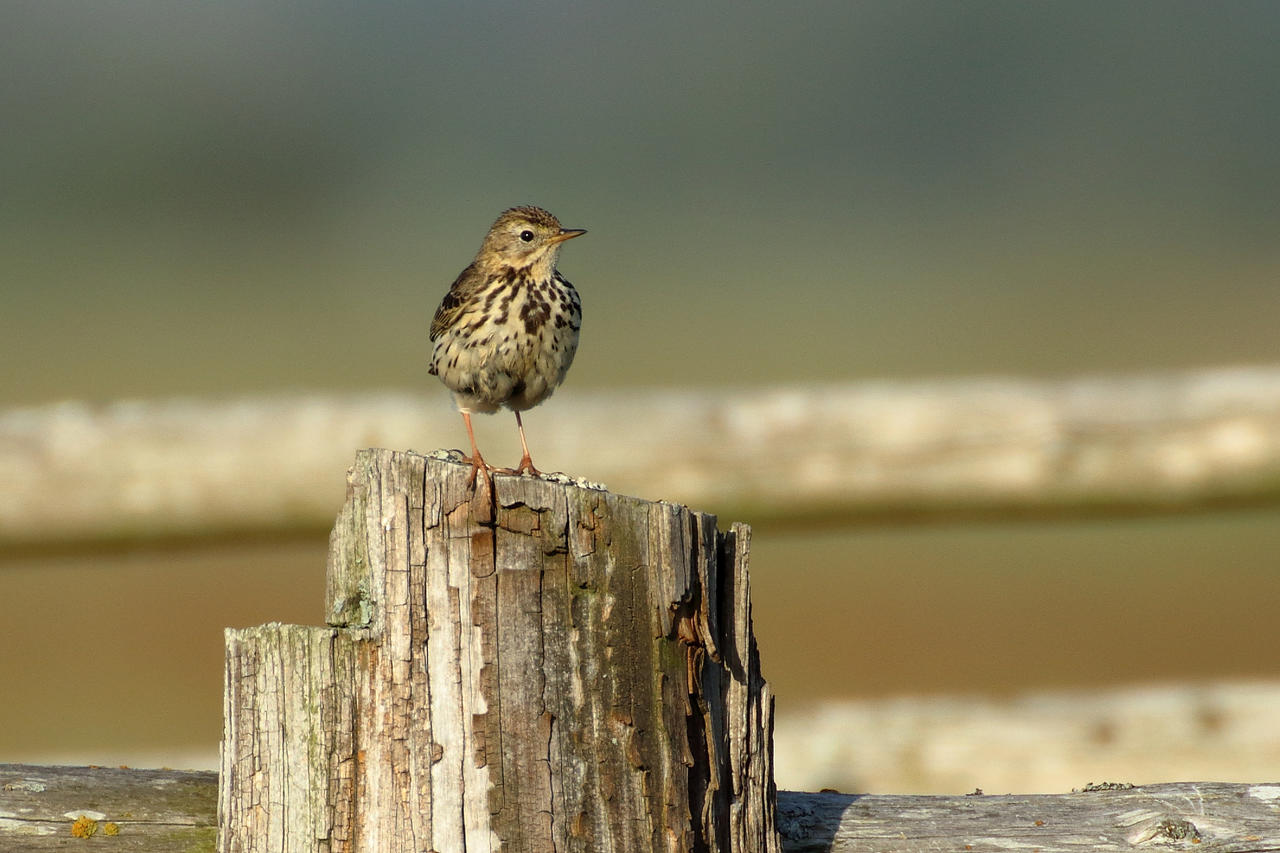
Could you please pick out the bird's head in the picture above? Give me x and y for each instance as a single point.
(525, 237)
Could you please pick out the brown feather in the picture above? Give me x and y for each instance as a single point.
(463, 290)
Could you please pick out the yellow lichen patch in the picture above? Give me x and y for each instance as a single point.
(110, 828)
(84, 827)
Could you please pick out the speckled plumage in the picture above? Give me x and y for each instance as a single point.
(507, 330)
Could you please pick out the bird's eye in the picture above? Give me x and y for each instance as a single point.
(526, 236)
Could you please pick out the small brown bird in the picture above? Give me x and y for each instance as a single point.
(507, 330)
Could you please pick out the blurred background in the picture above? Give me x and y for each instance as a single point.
(220, 200)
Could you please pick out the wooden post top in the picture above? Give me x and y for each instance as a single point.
(540, 666)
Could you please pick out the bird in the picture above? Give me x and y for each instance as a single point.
(507, 331)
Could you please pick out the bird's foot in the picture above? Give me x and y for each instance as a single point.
(478, 464)
(526, 466)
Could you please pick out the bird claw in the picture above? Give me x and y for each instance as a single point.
(526, 466)
(478, 464)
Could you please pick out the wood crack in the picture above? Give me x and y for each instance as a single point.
(541, 672)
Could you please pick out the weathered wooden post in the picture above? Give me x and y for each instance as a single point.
(550, 668)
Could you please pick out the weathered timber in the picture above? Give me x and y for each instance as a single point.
(161, 811)
(541, 667)
(1039, 740)
(133, 810)
(1199, 816)
(835, 453)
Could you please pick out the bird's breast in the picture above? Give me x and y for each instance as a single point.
(514, 341)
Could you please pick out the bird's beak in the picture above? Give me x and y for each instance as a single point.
(568, 234)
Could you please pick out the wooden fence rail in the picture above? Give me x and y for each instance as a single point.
(172, 811)
(1037, 740)
(832, 454)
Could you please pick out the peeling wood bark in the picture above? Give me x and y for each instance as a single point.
(544, 668)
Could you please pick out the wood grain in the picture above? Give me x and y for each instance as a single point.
(124, 809)
(166, 811)
(541, 667)
(1191, 816)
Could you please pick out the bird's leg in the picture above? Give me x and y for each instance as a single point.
(526, 463)
(477, 461)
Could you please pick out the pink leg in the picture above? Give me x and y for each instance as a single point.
(476, 460)
(526, 463)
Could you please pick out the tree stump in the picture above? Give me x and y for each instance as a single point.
(540, 667)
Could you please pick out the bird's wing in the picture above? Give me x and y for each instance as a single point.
(460, 293)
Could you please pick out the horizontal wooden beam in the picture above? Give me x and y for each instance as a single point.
(815, 454)
(166, 810)
(1034, 740)
(1106, 816)
(51, 807)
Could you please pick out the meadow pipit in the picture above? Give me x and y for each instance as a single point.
(507, 330)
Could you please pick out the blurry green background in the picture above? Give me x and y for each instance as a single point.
(215, 198)
(230, 196)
